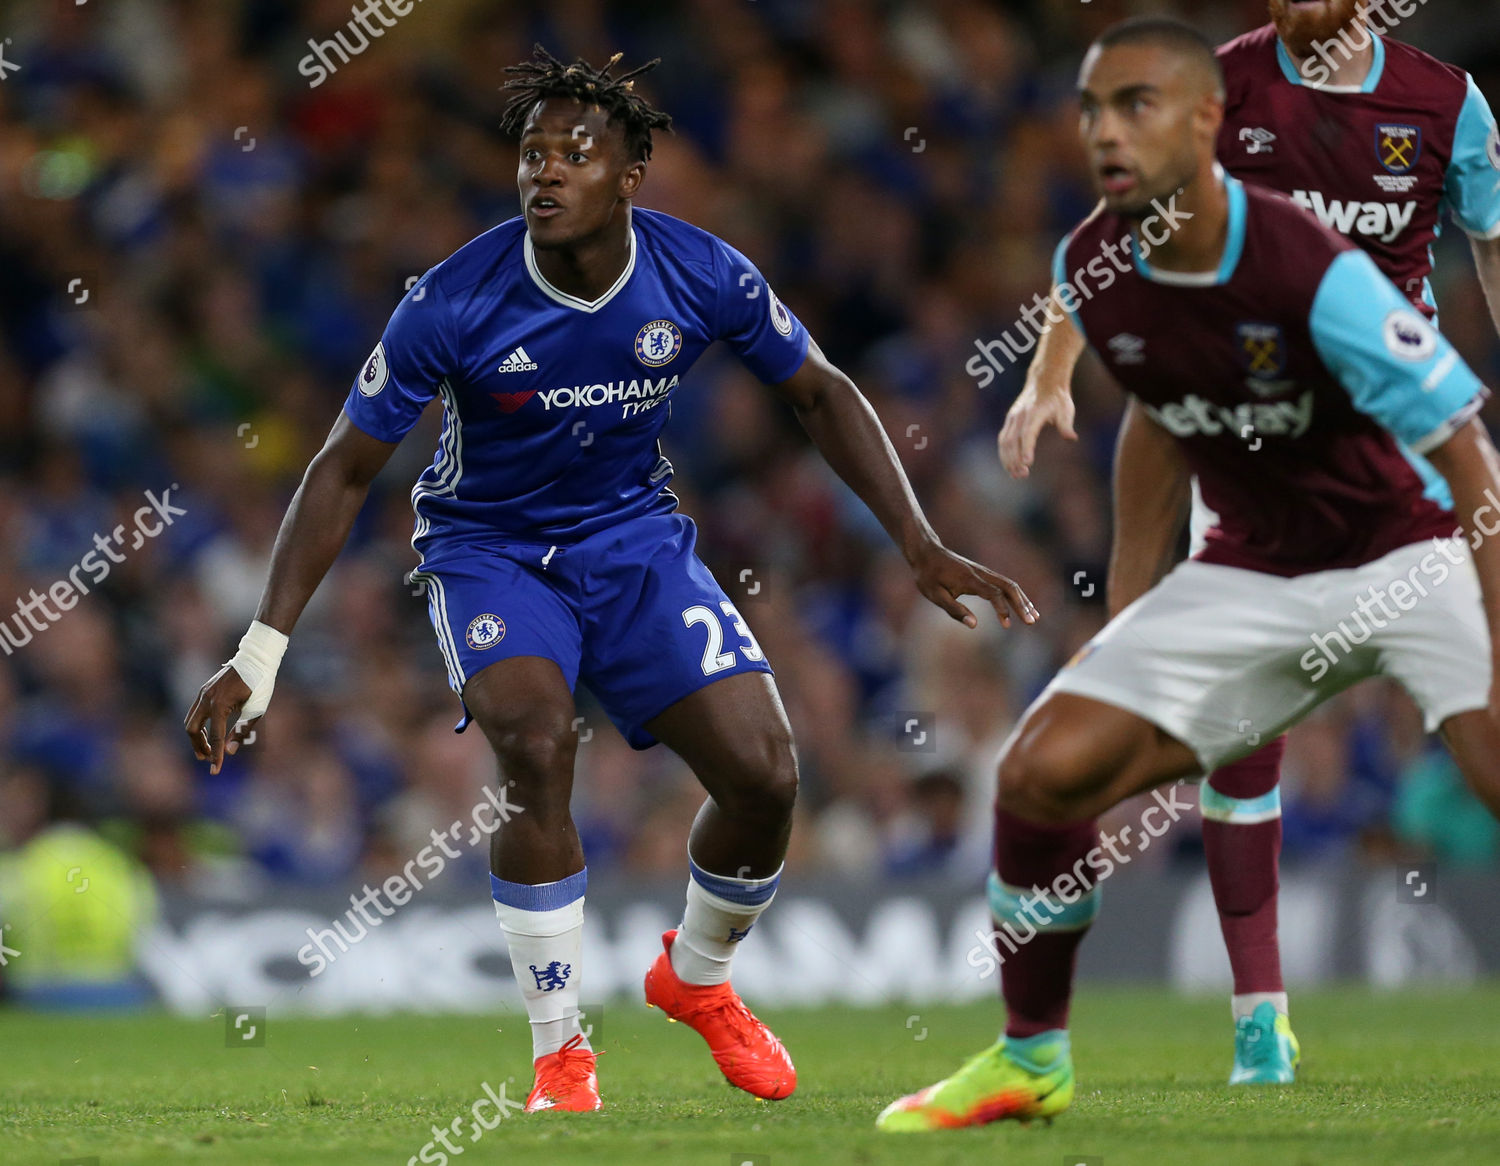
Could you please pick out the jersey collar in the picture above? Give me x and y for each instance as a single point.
(571, 301)
(1377, 70)
(1234, 244)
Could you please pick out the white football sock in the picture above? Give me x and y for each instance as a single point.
(1246, 1004)
(720, 911)
(544, 954)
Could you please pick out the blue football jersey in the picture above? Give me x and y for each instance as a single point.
(553, 405)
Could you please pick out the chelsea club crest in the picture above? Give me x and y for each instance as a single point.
(658, 342)
(485, 631)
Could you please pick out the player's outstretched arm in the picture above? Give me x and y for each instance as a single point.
(1047, 397)
(844, 427)
(315, 528)
(1151, 499)
(1471, 466)
(1487, 260)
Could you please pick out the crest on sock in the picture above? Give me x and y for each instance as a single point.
(553, 976)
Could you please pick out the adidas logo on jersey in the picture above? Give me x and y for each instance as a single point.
(518, 361)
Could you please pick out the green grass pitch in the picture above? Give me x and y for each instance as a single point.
(1400, 1078)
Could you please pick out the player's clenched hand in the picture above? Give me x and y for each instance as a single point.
(943, 576)
(1035, 409)
(216, 709)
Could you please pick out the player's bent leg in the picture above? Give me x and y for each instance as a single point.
(538, 878)
(1072, 757)
(525, 709)
(1473, 737)
(734, 734)
(1440, 651)
(1038, 926)
(1241, 806)
(735, 737)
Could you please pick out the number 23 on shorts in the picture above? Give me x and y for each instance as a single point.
(715, 659)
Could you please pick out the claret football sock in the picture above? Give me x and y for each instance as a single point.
(1241, 807)
(720, 911)
(1037, 934)
(543, 927)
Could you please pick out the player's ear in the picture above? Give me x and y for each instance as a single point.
(631, 179)
(1209, 115)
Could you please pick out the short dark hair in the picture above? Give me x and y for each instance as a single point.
(545, 76)
(1176, 35)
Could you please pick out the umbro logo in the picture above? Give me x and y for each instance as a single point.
(1257, 140)
(518, 361)
(1128, 349)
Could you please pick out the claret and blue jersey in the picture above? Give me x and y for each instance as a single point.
(1302, 386)
(1379, 162)
(545, 522)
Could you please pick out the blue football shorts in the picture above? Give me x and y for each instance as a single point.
(632, 612)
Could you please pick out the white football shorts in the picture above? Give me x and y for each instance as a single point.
(1226, 659)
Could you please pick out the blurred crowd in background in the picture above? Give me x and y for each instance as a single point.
(198, 249)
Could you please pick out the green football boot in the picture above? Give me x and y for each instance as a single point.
(1020, 1079)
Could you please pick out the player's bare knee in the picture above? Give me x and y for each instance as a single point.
(1038, 782)
(535, 748)
(760, 782)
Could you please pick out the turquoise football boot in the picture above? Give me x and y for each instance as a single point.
(1266, 1051)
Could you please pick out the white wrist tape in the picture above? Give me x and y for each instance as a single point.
(257, 660)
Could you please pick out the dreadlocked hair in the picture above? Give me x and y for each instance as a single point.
(545, 76)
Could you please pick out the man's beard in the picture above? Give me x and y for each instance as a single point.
(1301, 30)
(1145, 206)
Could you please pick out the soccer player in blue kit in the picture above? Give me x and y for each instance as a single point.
(552, 550)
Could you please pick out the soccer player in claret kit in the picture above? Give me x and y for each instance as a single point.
(1375, 138)
(552, 551)
(1320, 510)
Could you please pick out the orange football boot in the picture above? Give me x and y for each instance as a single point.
(565, 1080)
(747, 1052)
